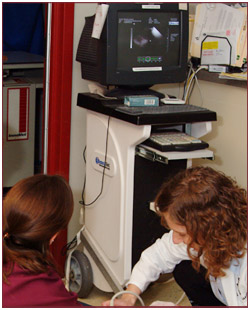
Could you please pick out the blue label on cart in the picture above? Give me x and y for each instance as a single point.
(99, 161)
(102, 163)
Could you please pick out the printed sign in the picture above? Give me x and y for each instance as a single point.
(18, 114)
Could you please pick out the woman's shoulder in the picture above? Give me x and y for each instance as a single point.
(19, 274)
(40, 290)
(166, 248)
(16, 269)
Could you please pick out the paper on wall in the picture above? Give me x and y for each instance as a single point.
(100, 17)
(219, 20)
(242, 76)
(218, 49)
(18, 114)
(241, 56)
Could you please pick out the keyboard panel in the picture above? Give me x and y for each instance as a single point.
(166, 109)
(175, 141)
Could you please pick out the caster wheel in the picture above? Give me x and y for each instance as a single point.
(80, 275)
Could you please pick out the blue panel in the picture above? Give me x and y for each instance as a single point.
(23, 27)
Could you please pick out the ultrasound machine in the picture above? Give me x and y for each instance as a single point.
(130, 151)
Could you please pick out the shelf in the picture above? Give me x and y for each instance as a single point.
(163, 157)
(214, 78)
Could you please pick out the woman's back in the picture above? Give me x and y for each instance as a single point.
(29, 290)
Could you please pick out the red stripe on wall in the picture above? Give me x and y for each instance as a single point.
(23, 110)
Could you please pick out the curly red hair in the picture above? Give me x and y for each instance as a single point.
(213, 208)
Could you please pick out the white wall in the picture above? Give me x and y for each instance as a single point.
(77, 166)
(228, 138)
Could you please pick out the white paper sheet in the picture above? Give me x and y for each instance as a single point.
(100, 17)
(219, 20)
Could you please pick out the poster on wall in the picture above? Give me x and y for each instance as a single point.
(18, 114)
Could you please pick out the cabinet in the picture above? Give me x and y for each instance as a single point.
(23, 77)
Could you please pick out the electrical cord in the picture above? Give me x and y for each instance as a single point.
(194, 80)
(181, 298)
(103, 173)
(198, 84)
(69, 246)
(183, 294)
(84, 182)
(190, 64)
(190, 80)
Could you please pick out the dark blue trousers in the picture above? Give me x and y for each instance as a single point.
(194, 284)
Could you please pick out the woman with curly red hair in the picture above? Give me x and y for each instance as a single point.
(206, 213)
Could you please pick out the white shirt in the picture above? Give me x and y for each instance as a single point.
(164, 255)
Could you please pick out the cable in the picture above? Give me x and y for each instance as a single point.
(126, 292)
(70, 245)
(103, 173)
(198, 84)
(183, 294)
(189, 82)
(84, 182)
(140, 299)
(181, 298)
(186, 95)
(191, 85)
(188, 76)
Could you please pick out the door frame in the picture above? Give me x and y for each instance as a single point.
(59, 107)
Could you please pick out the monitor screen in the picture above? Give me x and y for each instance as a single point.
(140, 46)
(148, 41)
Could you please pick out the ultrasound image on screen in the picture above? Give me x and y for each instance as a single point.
(148, 41)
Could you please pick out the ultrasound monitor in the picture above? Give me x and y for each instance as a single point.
(141, 45)
(146, 42)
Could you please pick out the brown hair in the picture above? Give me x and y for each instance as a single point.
(34, 210)
(214, 211)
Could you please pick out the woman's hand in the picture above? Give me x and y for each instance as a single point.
(127, 300)
(117, 303)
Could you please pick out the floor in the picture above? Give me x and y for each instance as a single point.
(165, 289)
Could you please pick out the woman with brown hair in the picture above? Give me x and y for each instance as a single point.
(35, 210)
(205, 249)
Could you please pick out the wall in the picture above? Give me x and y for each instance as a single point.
(78, 131)
(228, 138)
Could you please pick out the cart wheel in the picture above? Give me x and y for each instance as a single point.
(80, 275)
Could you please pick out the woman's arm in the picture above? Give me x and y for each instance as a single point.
(159, 258)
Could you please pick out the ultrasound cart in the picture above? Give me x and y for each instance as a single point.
(123, 175)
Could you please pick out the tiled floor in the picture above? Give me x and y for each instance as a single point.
(162, 291)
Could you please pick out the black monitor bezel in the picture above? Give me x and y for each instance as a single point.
(169, 74)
